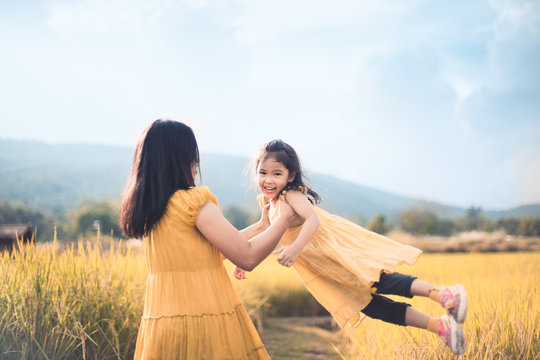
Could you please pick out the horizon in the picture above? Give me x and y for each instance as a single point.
(430, 100)
(247, 159)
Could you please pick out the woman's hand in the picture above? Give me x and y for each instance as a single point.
(265, 219)
(233, 244)
(287, 254)
(239, 273)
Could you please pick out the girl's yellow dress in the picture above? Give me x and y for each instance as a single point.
(191, 310)
(340, 263)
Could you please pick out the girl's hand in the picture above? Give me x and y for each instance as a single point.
(239, 273)
(288, 255)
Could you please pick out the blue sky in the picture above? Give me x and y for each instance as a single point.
(433, 99)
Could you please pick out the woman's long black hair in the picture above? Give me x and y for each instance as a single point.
(285, 154)
(162, 164)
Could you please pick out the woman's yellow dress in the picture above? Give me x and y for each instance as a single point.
(341, 262)
(191, 310)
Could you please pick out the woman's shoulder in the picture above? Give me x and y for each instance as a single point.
(197, 195)
(185, 205)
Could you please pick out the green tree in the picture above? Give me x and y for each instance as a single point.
(236, 216)
(445, 227)
(418, 221)
(379, 224)
(509, 225)
(472, 219)
(42, 223)
(90, 213)
(529, 226)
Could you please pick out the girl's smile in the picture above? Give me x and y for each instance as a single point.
(272, 177)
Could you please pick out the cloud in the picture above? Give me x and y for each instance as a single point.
(400, 86)
(266, 20)
(105, 16)
(524, 167)
(515, 47)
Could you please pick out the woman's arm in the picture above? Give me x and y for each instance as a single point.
(301, 205)
(258, 227)
(232, 244)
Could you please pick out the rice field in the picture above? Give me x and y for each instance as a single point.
(503, 319)
(84, 302)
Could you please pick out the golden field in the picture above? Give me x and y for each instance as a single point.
(84, 302)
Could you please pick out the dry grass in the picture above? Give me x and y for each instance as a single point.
(81, 303)
(503, 320)
(85, 303)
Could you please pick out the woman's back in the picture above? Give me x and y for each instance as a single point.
(174, 243)
(191, 310)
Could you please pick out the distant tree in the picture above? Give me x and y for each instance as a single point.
(19, 215)
(472, 220)
(236, 216)
(529, 226)
(42, 223)
(418, 221)
(486, 224)
(379, 224)
(445, 227)
(509, 225)
(91, 213)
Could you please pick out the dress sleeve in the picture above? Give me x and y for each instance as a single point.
(186, 204)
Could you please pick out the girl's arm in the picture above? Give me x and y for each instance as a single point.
(301, 205)
(232, 244)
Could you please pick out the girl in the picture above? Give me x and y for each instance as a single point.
(190, 310)
(346, 267)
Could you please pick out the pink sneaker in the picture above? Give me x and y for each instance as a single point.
(454, 300)
(452, 333)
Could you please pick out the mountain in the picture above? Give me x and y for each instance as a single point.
(56, 178)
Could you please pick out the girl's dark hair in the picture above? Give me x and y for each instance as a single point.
(162, 164)
(285, 154)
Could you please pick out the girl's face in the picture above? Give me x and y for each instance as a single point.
(272, 176)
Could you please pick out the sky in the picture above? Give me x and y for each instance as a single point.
(438, 100)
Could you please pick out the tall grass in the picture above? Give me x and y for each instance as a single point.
(85, 302)
(503, 320)
(80, 303)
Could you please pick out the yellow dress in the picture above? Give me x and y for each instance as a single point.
(342, 260)
(191, 310)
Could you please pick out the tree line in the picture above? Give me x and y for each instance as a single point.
(419, 221)
(90, 215)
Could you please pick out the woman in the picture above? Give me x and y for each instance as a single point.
(191, 310)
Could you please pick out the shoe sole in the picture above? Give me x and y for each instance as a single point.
(458, 340)
(462, 304)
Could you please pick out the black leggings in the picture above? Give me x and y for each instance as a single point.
(386, 309)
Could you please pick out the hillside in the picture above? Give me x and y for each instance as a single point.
(55, 178)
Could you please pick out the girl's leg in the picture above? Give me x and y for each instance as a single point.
(420, 320)
(422, 288)
(403, 314)
(403, 285)
(387, 310)
(398, 313)
(395, 284)
(452, 298)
